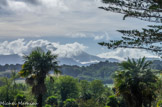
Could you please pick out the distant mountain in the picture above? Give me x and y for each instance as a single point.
(10, 59)
(113, 60)
(81, 59)
(68, 61)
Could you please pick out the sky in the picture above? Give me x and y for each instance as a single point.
(67, 27)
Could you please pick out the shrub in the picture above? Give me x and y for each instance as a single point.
(112, 101)
(20, 98)
(70, 103)
(52, 100)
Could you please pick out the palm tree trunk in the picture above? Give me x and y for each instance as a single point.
(39, 100)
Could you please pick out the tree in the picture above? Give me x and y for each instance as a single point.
(68, 87)
(97, 88)
(6, 91)
(35, 68)
(147, 10)
(136, 83)
(85, 90)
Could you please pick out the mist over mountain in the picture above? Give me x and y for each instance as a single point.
(81, 59)
(75, 53)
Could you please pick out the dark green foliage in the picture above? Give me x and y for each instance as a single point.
(85, 90)
(112, 101)
(47, 105)
(68, 87)
(70, 103)
(20, 97)
(136, 83)
(90, 103)
(97, 88)
(101, 71)
(71, 70)
(6, 91)
(52, 100)
(51, 87)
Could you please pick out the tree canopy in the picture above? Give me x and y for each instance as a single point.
(148, 38)
(136, 83)
(148, 10)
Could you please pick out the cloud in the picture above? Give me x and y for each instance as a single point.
(20, 47)
(95, 35)
(34, 2)
(27, 18)
(3, 2)
(123, 54)
(68, 50)
(4, 8)
(104, 36)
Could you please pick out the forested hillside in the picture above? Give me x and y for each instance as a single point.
(101, 71)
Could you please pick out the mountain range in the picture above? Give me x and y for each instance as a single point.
(81, 59)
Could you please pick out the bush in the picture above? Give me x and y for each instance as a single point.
(20, 98)
(90, 103)
(159, 104)
(70, 103)
(112, 101)
(47, 105)
(52, 100)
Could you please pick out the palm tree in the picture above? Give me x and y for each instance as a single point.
(35, 68)
(136, 83)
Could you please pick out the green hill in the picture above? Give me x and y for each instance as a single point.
(101, 71)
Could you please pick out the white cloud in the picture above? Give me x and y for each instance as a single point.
(94, 35)
(98, 37)
(104, 36)
(20, 46)
(123, 54)
(69, 50)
